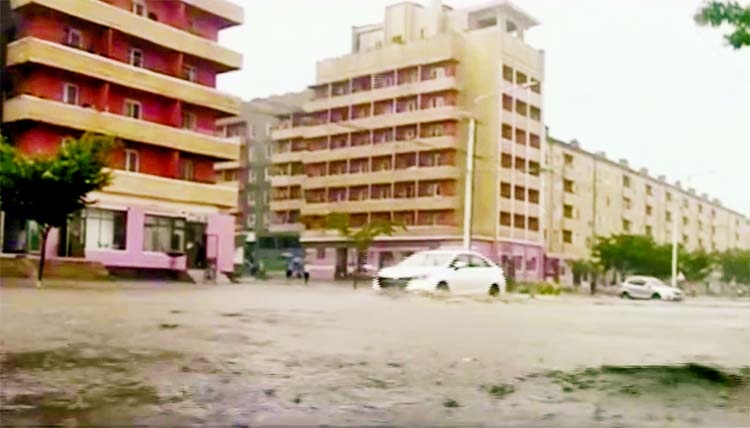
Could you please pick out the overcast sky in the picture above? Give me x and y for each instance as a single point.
(634, 78)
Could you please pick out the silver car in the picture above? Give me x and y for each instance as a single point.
(648, 287)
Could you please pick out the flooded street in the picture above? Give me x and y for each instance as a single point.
(242, 355)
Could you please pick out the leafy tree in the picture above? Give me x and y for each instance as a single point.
(716, 13)
(632, 254)
(696, 265)
(735, 266)
(49, 188)
(362, 237)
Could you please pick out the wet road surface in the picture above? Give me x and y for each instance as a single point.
(248, 355)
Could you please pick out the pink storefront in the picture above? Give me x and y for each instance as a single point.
(150, 240)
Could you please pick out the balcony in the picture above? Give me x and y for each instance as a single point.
(286, 157)
(383, 149)
(390, 92)
(393, 204)
(286, 204)
(168, 189)
(441, 48)
(389, 176)
(225, 9)
(27, 107)
(425, 232)
(56, 55)
(286, 228)
(287, 180)
(224, 166)
(287, 133)
(143, 28)
(384, 121)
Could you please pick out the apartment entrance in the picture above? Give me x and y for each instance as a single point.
(73, 237)
(195, 244)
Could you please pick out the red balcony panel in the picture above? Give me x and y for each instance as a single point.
(48, 83)
(40, 139)
(154, 108)
(54, 26)
(155, 58)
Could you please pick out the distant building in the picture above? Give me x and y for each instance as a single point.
(266, 234)
(591, 196)
(385, 137)
(143, 71)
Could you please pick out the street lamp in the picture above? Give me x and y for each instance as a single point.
(674, 229)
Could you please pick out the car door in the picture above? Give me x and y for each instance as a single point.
(460, 277)
(636, 287)
(482, 274)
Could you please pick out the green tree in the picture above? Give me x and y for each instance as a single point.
(735, 266)
(632, 254)
(716, 13)
(361, 237)
(47, 189)
(696, 265)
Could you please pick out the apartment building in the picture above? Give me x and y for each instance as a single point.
(143, 71)
(385, 136)
(591, 196)
(251, 174)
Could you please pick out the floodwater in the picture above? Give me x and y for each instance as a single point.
(248, 355)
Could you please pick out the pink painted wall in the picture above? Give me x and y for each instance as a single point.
(222, 226)
(133, 255)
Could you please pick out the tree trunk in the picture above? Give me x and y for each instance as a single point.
(43, 256)
(357, 267)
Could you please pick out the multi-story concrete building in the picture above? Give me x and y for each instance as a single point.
(143, 71)
(386, 137)
(267, 234)
(591, 196)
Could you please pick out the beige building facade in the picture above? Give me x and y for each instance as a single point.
(591, 196)
(385, 136)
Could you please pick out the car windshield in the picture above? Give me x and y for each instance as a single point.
(427, 259)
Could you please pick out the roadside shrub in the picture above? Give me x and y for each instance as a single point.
(542, 288)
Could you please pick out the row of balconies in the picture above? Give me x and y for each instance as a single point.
(26, 107)
(141, 27)
(37, 51)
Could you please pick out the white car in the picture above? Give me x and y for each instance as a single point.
(648, 287)
(461, 272)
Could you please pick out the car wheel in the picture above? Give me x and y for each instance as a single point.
(655, 296)
(494, 290)
(625, 295)
(443, 286)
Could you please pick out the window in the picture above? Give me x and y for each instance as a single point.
(505, 190)
(139, 8)
(133, 109)
(627, 203)
(105, 229)
(507, 74)
(649, 230)
(568, 159)
(568, 186)
(73, 38)
(669, 196)
(164, 234)
(70, 94)
(135, 57)
(626, 181)
(131, 160)
(437, 73)
(649, 210)
(189, 72)
(187, 169)
(189, 120)
(437, 102)
(478, 262)
(649, 190)
(626, 225)
(668, 216)
(534, 196)
(568, 211)
(505, 219)
(567, 236)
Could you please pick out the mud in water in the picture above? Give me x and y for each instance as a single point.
(270, 355)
